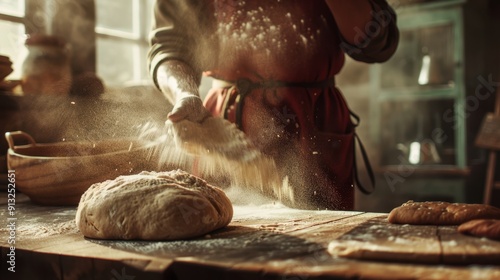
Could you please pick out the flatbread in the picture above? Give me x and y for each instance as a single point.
(441, 213)
(489, 228)
(152, 206)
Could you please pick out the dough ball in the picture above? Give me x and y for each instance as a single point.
(152, 206)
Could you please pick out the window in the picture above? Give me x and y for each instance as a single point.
(12, 30)
(122, 29)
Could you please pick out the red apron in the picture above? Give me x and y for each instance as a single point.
(301, 119)
(283, 121)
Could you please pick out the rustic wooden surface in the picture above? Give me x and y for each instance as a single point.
(376, 239)
(262, 242)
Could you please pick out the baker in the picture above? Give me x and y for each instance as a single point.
(273, 65)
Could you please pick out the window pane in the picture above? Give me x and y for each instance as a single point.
(432, 127)
(12, 7)
(116, 60)
(117, 15)
(13, 45)
(424, 58)
(149, 15)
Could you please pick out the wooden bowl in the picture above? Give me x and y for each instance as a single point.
(59, 173)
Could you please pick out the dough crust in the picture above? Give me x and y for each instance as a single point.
(152, 206)
(441, 213)
(489, 228)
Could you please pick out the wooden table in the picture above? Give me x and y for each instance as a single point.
(262, 242)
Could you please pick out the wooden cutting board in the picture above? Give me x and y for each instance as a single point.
(262, 242)
(377, 239)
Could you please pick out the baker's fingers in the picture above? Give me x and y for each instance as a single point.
(179, 115)
(176, 116)
(190, 108)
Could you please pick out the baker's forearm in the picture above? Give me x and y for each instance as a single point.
(351, 16)
(177, 79)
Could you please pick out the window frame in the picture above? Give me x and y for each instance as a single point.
(15, 18)
(138, 38)
(12, 18)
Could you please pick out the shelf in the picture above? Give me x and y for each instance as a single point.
(421, 5)
(427, 170)
(419, 93)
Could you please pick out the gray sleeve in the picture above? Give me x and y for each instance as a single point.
(175, 31)
(377, 40)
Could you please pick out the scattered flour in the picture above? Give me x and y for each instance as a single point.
(27, 231)
(257, 29)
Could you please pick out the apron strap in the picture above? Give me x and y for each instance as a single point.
(245, 86)
(366, 160)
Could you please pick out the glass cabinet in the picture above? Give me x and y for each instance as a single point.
(418, 105)
(422, 109)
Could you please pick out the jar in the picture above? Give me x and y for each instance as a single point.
(46, 68)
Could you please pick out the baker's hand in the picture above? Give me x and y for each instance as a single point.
(189, 107)
(5, 67)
